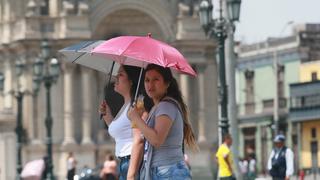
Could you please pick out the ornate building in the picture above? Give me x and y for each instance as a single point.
(78, 91)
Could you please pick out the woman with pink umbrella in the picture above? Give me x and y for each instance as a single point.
(166, 129)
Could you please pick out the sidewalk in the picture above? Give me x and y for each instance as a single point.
(307, 177)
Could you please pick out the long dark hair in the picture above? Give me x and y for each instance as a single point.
(174, 92)
(133, 73)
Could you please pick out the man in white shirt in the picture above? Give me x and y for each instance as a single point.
(280, 163)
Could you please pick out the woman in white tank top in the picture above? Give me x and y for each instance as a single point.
(127, 148)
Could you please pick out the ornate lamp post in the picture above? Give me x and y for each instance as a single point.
(20, 66)
(46, 69)
(217, 28)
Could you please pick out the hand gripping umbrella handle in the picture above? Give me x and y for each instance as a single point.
(107, 86)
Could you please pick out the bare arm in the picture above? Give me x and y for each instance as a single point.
(157, 135)
(269, 165)
(289, 163)
(104, 109)
(136, 154)
(226, 158)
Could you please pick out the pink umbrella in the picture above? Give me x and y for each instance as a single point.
(141, 51)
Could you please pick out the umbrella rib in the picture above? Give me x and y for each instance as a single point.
(78, 57)
(84, 46)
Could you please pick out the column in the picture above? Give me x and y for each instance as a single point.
(37, 123)
(68, 105)
(86, 75)
(184, 84)
(201, 113)
(28, 100)
(289, 134)
(269, 140)
(8, 71)
(258, 147)
(299, 138)
(241, 143)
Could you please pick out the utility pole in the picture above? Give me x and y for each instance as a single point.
(276, 95)
(230, 75)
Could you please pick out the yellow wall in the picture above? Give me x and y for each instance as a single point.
(306, 69)
(306, 142)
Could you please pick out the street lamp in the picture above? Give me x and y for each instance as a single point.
(20, 67)
(217, 28)
(46, 69)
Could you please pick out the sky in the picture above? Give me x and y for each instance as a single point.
(260, 19)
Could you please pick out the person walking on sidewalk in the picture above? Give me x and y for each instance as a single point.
(71, 166)
(280, 163)
(251, 167)
(109, 170)
(225, 159)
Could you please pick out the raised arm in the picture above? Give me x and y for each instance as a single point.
(157, 135)
(104, 109)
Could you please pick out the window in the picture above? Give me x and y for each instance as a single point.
(44, 10)
(314, 76)
(281, 84)
(313, 133)
(249, 75)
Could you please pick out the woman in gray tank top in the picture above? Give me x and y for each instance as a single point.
(166, 129)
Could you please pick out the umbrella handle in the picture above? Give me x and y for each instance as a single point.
(109, 81)
(137, 89)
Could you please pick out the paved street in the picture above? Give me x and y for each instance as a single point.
(201, 174)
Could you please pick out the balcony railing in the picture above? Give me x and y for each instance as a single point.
(305, 101)
(268, 104)
(250, 108)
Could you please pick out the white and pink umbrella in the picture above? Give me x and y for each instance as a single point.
(127, 50)
(141, 51)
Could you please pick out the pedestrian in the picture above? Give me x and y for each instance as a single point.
(71, 166)
(126, 148)
(225, 159)
(166, 129)
(251, 167)
(243, 164)
(109, 170)
(280, 163)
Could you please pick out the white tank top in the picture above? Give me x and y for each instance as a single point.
(120, 129)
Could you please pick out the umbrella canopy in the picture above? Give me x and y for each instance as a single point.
(141, 51)
(81, 54)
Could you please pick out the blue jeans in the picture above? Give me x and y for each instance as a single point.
(123, 169)
(177, 171)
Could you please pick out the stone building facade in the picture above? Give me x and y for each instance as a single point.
(78, 91)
